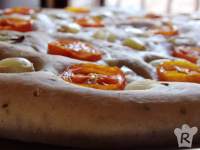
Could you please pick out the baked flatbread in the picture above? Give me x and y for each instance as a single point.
(118, 82)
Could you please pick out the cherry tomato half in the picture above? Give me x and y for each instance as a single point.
(153, 16)
(74, 49)
(95, 76)
(167, 30)
(179, 71)
(16, 24)
(90, 22)
(78, 9)
(191, 54)
(19, 10)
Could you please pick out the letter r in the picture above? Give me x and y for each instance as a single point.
(184, 137)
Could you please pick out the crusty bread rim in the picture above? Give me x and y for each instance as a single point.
(41, 107)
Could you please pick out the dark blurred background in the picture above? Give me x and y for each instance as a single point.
(49, 3)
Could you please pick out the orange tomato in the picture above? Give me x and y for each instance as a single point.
(95, 76)
(186, 52)
(74, 49)
(180, 71)
(77, 9)
(153, 16)
(167, 30)
(19, 10)
(90, 22)
(15, 24)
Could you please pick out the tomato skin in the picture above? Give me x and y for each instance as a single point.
(90, 22)
(19, 10)
(191, 54)
(16, 24)
(95, 76)
(179, 71)
(85, 50)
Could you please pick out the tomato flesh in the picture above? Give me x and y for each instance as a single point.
(167, 30)
(191, 54)
(95, 76)
(19, 10)
(16, 24)
(74, 49)
(179, 71)
(77, 9)
(90, 22)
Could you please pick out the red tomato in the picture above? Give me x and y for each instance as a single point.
(189, 53)
(90, 22)
(15, 24)
(153, 16)
(74, 49)
(19, 10)
(95, 76)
